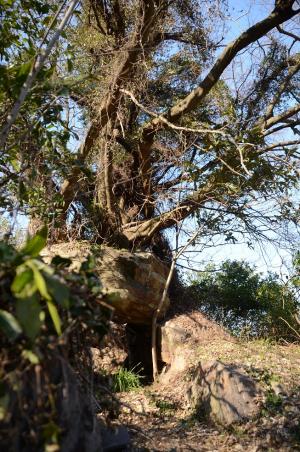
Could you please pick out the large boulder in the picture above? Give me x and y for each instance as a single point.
(223, 392)
(206, 387)
(133, 283)
(182, 335)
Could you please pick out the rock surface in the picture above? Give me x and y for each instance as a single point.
(219, 390)
(115, 440)
(133, 282)
(223, 392)
(181, 335)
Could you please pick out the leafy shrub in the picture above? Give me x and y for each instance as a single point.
(33, 293)
(47, 315)
(245, 302)
(33, 286)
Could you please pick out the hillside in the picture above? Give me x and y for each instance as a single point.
(157, 419)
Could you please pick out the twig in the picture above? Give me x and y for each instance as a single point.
(162, 302)
(165, 121)
(293, 329)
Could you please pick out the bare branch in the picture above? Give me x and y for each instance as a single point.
(280, 144)
(162, 119)
(288, 33)
(292, 71)
(281, 117)
(160, 307)
(287, 124)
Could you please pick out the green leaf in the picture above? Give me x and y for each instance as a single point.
(28, 313)
(16, 164)
(39, 280)
(21, 280)
(37, 243)
(21, 75)
(54, 316)
(9, 325)
(58, 291)
(32, 357)
(28, 291)
(89, 264)
(24, 69)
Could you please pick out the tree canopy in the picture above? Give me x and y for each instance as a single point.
(125, 118)
(247, 302)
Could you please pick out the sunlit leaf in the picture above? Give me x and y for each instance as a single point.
(37, 243)
(41, 285)
(54, 316)
(21, 280)
(32, 357)
(9, 325)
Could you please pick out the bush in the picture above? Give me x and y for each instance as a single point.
(245, 302)
(46, 315)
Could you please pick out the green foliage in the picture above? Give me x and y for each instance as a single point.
(45, 310)
(165, 407)
(32, 158)
(295, 280)
(245, 302)
(30, 289)
(38, 296)
(272, 404)
(9, 325)
(126, 380)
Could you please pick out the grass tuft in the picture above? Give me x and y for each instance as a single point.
(126, 380)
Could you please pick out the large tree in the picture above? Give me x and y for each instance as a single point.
(177, 122)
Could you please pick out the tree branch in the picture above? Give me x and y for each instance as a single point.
(281, 117)
(144, 230)
(122, 73)
(287, 124)
(253, 33)
(280, 144)
(195, 98)
(292, 71)
(288, 33)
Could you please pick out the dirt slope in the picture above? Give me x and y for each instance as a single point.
(157, 421)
